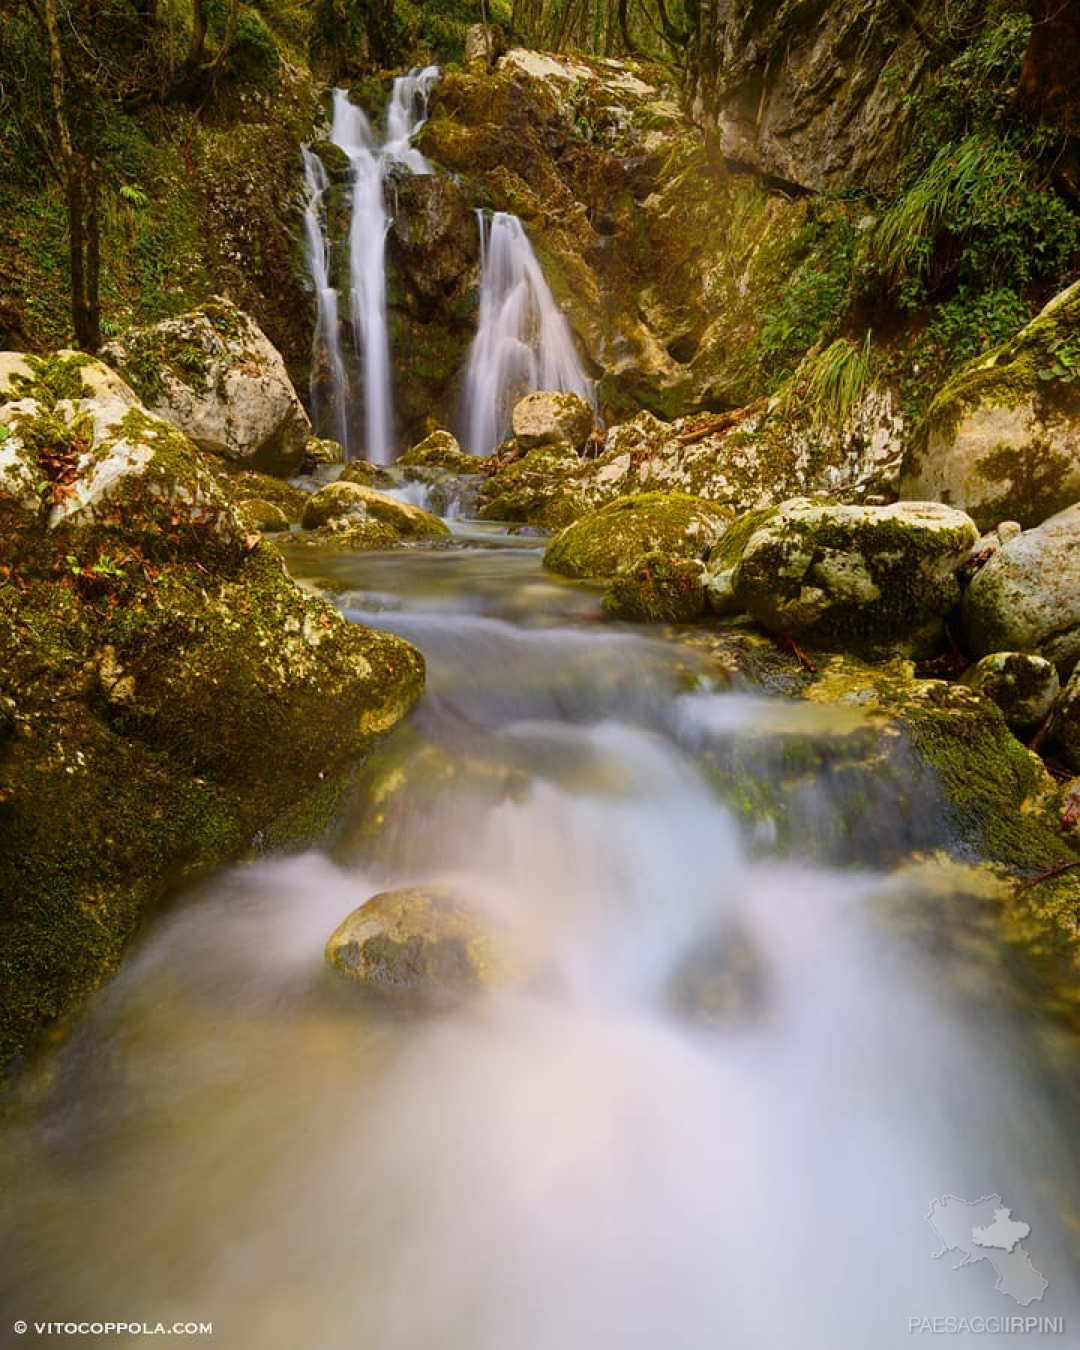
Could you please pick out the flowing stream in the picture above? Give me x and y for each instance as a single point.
(706, 1106)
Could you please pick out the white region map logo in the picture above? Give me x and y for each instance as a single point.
(985, 1230)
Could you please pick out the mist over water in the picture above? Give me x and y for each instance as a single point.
(708, 1105)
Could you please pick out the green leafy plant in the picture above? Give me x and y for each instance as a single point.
(830, 382)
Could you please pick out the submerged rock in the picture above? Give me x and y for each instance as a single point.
(1027, 596)
(1023, 686)
(857, 574)
(215, 376)
(551, 418)
(1002, 439)
(415, 944)
(657, 589)
(601, 544)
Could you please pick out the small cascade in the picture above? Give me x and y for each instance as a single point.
(523, 342)
(327, 365)
(370, 157)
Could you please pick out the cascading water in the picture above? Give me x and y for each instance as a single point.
(327, 363)
(523, 342)
(706, 1104)
(370, 158)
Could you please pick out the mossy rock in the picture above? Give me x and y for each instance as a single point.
(417, 945)
(366, 474)
(243, 485)
(550, 418)
(657, 589)
(1022, 685)
(343, 506)
(440, 450)
(608, 540)
(854, 575)
(264, 516)
(1000, 440)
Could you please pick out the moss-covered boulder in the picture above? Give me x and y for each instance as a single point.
(1001, 440)
(657, 589)
(550, 418)
(420, 945)
(1063, 733)
(365, 473)
(724, 558)
(1027, 596)
(1023, 686)
(601, 544)
(214, 375)
(157, 669)
(361, 513)
(855, 575)
(264, 516)
(440, 450)
(537, 488)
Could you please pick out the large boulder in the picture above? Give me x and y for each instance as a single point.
(369, 519)
(440, 450)
(1027, 596)
(419, 945)
(1001, 440)
(657, 589)
(549, 418)
(215, 376)
(856, 574)
(603, 543)
(157, 669)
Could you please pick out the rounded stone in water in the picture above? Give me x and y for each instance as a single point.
(1023, 685)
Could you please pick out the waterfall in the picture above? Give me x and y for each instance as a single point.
(523, 342)
(326, 343)
(370, 157)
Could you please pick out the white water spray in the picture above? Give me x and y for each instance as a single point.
(370, 157)
(326, 343)
(523, 342)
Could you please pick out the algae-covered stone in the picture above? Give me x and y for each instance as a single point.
(419, 945)
(1022, 685)
(1002, 439)
(537, 488)
(365, 473)
(440, 450)
(319, 450)
(262, 515)
(548, 418)
(215, 376)
(343, 505)
(657, 589)
(724, 558)
(601, 544)
(1027, 596)
(857, 574)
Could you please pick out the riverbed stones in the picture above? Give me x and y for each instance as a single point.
(859, 575)
(440, 450)
(604, 542)
(1022, 685)
(657, 589)
(214, 375)
(548, 418)
(414, 945)
(1027, 596)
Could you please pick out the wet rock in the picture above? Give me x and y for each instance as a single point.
(214, 375)
(318, 450)
(854, 574)
(1027, 596)
(1023, 686)
(1063, 733)
(414, 944)
(548, 419)
(538, 488)
(263, 516)
(367, 474)
(1002, 439)
(657, 589)
(601, 544)
(724, 558)
(440, 450)
(347, 506)
(432, 242)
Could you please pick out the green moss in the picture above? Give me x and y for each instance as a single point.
(657, 589)
(602, 543)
